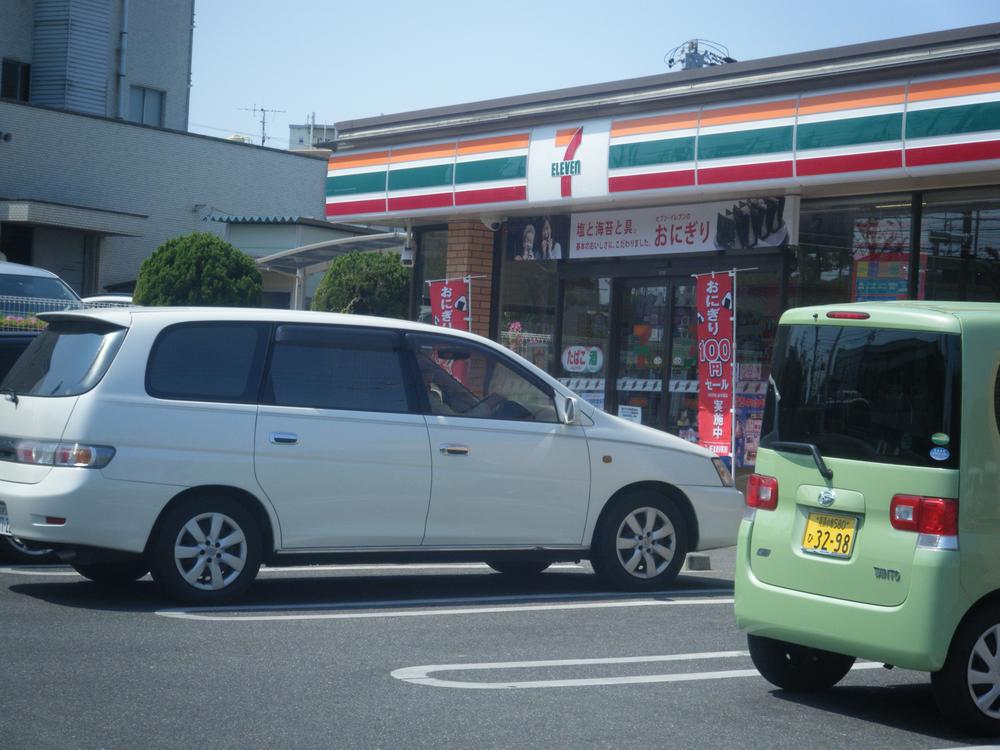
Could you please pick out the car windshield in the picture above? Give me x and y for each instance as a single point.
(870, 394)
(67, 359)
(36, 287)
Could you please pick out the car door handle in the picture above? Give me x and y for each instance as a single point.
(453, 449)
(283, 438)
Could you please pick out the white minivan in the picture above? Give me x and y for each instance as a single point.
(199, 443)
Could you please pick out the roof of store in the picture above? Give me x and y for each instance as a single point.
(856, 63)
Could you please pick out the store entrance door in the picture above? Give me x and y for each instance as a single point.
(656, 377)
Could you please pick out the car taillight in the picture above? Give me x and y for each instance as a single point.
(44, 453)
(762, 492)
(935, 517)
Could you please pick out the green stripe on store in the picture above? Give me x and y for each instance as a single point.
(666, 151)
(439, 175)
(745, 143)
(488, 170)
(853, 130)
(356, 184)
(968, 118)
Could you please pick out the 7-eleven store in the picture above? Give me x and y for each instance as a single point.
(581, 216)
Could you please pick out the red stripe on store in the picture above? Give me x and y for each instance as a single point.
(745, 173)
(491, 195)
(434, 200)
(374, 206)
(919, 157)
(680, 178)
(849, 163)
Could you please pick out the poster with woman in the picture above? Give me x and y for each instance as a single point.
(537, 237)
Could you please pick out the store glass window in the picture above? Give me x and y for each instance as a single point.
(583, 361)
(960, 245)
(851, 250)
(432, 259)
(528, 286)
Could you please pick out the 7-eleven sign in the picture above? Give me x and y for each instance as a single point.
(569, 161)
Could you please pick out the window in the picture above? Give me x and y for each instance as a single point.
(960, 245)
(464, 380)
(326, 367)
(851, 250)
(432, 256)
(146, 106)
(15, 81)
(210, 361)
(528, 284)
(585, 328)
(68, 358)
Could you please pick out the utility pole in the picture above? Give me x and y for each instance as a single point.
(263, 119)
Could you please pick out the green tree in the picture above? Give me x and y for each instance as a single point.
(198, 269)
(365, 284)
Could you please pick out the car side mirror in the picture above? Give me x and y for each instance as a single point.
(566, 409)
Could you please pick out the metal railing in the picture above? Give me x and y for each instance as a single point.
(20, 313)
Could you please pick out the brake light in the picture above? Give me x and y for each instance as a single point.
(843, 315)
(43, 453)
(762, 492)
(936, 516)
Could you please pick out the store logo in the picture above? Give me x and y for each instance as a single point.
(569, 165)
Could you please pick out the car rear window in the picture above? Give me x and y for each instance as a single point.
(68, 358)
(37, 287)
(871, 394)
(208, 361)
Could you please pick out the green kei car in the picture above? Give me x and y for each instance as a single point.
(872, 527)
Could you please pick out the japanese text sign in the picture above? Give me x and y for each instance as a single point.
(450, 303)
(715, 303)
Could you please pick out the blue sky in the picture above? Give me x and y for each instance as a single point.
(345, 60)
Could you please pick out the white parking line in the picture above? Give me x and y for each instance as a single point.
(420, 675)
(309, 568)
(390, 609)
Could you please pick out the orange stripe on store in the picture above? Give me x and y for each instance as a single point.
(661, 123)
(564, 136)
(417, 153)
(982, 84)
(811, 105)
(358, 160)
(748, 113)
(500, 143)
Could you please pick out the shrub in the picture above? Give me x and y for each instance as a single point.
(365, 284)
(198, 269)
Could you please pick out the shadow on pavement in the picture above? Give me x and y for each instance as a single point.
(345, 588)
(909, 708)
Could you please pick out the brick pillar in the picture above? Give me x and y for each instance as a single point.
(470, 253)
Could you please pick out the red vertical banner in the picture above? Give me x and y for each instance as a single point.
(450, 303)
(715, 304)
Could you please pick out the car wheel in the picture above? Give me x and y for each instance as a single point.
(207, 550)
(967, 689)
(112, 574)
(640, 543)
(797, 668)
(519, 568)
(15, 550)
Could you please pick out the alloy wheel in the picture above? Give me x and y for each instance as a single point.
(645, 542)
(983, 672)
(210, 551)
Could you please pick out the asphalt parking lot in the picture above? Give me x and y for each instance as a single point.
(420, 656)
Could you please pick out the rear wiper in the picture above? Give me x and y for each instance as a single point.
(11, 395)
(807, 448)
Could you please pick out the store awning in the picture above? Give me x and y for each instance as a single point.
(315, 257)
(66, 216)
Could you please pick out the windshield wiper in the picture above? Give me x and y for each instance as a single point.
(807, 448)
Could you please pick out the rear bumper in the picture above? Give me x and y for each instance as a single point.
(99, 512)
(915, 634)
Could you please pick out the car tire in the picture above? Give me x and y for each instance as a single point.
(14, 550)
(963, 687)
(640, 542)
(207, 550)
(519, 568)
(797, 668)
(112, 574)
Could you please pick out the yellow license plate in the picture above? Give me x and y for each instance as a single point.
(829, 534)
